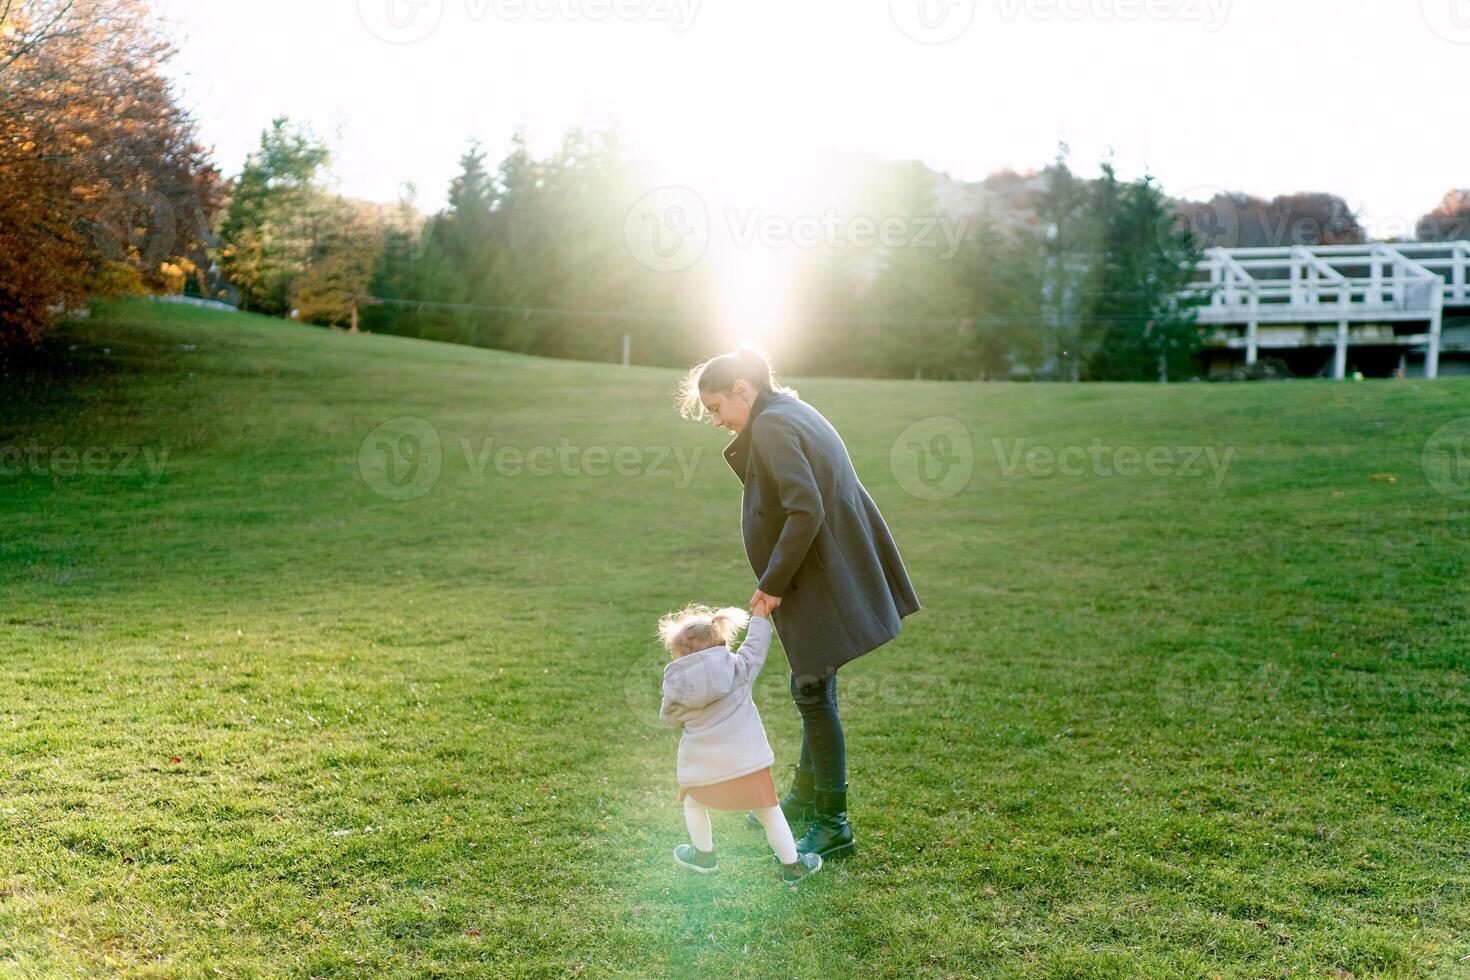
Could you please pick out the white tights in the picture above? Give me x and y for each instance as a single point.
(778, 831)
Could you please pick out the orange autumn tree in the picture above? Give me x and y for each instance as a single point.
(1450, 221)
(103, 182)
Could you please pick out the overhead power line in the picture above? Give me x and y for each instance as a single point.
(631, 315)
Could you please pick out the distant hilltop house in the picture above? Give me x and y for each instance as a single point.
(1007, 197)
(1334, 310)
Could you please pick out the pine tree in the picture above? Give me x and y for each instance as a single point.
(274, 218)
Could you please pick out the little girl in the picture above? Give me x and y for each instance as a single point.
(724, 758)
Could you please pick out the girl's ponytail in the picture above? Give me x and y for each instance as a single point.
(729, 621)
(698, 627)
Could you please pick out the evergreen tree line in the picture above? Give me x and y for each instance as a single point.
(1047, 275)
(534, 257)
(105, 188)
(1051, 275)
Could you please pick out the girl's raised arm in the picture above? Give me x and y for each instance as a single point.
(751, 656)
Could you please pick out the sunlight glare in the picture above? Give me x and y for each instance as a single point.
(755, 197)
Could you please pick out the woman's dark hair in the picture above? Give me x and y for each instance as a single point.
(748, 364)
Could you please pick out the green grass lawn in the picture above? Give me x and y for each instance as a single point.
(259, 719)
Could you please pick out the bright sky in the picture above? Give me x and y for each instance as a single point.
(1360, 97)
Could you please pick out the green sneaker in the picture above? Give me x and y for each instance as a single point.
(804, 865)
(687, 856)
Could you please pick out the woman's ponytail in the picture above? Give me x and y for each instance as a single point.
(745, 363)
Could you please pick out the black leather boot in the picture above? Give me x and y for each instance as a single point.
(830, 835)
(799, 803)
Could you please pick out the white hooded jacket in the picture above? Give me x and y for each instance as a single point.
(708, 694)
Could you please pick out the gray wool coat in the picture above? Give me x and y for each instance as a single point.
(815, 538)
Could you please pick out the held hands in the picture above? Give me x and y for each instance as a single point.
(761, 604)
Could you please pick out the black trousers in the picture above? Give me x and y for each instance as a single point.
(823, 749)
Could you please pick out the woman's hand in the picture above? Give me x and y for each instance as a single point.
(761, 604)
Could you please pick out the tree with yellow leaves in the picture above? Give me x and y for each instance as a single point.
(99, 166)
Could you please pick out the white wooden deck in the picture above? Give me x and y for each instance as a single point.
(1278, 296)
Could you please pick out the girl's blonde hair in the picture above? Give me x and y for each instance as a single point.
(697, 627)
(747, 363)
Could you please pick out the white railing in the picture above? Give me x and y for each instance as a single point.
(1450, 261)
(1332, 282)
(1279, 296)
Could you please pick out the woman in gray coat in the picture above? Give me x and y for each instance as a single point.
(825, 565)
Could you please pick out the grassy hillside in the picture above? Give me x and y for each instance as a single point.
(259, 717)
